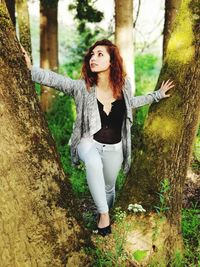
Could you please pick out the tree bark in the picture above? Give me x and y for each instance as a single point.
(171, 10)
(124, 35)
(37, 207)
(48, 46)
(24, 24)
(170, 129)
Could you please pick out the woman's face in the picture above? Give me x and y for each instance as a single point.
(100, 59)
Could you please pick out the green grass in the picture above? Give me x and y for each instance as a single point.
(191, 235)
(113, 253)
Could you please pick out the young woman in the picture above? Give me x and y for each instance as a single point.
(101, 137)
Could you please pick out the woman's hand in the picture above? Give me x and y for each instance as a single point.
(27, 58)
(166, 86)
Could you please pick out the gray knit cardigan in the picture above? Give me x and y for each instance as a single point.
(88, 120)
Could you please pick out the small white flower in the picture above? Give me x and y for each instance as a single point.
(136, 208)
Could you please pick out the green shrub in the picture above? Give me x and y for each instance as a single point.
(60, 120)
(147, 69)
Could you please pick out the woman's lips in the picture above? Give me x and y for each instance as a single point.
(92, 65)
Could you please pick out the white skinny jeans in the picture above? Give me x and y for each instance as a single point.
(103, 163)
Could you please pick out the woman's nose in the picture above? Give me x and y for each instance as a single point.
(93, 58)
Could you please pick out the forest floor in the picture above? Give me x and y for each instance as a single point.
(191, 206)
(191, 196)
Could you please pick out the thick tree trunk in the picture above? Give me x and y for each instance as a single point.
(38, 227)
(48, 46)
(11, 10)
(124, 35)
(24, 24)
(171, 10)
(170, 128)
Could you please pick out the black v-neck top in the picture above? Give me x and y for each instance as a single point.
(111, 124)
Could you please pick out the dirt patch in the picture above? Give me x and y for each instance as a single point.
(191, 191)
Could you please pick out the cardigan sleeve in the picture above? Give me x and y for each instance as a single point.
(55, 80)
(139, 101)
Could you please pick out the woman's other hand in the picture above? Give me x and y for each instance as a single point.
(27, 58)
(166, 86)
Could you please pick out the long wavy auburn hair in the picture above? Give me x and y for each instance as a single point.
(117, 72)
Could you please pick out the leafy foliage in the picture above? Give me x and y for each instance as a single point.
(85, 12)
(139, 255)
(163, 196)
(147, 67)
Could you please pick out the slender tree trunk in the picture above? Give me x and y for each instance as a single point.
(38, 227)
(170, 129)
(24, 24)
(11, 10)
(124, 35)
(171, 10)
(48, 46)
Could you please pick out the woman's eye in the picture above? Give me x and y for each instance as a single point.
(100, 54)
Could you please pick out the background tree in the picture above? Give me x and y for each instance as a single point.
(24, 24)
(36, 202)
(163, 156)
(171, 10)
(11, 9)
(48, 46)
(124, 35)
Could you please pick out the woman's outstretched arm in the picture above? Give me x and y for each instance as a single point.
(139, 101)
(52, 79)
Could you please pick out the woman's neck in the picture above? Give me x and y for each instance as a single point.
(103, 81)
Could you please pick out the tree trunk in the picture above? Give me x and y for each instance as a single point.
(170, 129)
(11, 10)
(24, 24)
(48, 46)
(38, 224)
(171, 10)
(124, 35)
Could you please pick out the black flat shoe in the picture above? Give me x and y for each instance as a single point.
(104, 231)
